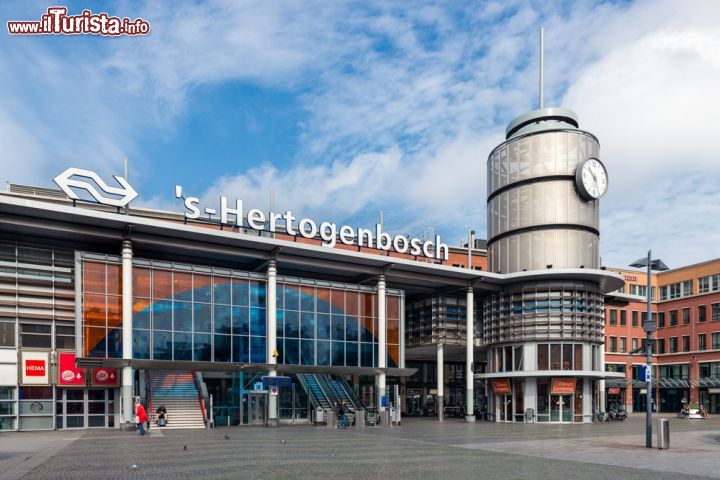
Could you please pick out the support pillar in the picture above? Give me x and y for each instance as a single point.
(440, 382)
(271, 304)
(382, 348)
(127, 372)
(469, 358)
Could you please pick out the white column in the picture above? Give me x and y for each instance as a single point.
(271, 304)
(382, 342)
(127, 372)
(601, 382)
(469, 358)
(440, 382)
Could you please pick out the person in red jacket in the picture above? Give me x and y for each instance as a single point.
(140, 415)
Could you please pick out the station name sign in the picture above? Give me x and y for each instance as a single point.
(234, 214)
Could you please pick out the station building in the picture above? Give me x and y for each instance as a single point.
(239, 322)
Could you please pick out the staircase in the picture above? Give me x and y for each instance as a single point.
(177, 391)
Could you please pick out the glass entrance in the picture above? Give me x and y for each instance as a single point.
(256, 409)
(561, 408)
(506, 408)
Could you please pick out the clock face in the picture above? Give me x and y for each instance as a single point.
(592, 179)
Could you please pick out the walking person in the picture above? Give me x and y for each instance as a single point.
(342, 420)
(140, 415)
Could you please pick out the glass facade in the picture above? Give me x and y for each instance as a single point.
(189, 312)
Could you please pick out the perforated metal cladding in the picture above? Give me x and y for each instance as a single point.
(567, 311)
(538, 218)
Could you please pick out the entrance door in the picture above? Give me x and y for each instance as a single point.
(256, 409)
(561, 408)
(506, 408)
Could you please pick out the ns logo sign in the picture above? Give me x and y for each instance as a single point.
(79, 179)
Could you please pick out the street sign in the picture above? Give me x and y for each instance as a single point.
(645, 373)
(276, 381)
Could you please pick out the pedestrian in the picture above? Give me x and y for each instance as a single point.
(703, 412)
(341, 415)
(140, 415)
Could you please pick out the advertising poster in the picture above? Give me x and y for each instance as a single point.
(68, 374)
(105, 377)
(562, 386)
(501, 386)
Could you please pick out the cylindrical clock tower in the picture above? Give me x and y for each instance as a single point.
(545, 330)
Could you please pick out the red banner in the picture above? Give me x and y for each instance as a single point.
(501, 386)
(614, 391)
(68, 374)
(562, 386)
(105, 377)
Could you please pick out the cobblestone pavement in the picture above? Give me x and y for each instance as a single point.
(421, 448)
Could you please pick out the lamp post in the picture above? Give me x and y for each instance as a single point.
(651, 265)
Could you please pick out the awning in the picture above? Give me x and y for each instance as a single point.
(190, 366)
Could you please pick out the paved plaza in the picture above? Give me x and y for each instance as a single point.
(421, 448)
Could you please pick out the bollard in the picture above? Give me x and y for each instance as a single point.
(663, 433)
(360, 419)
(331, 416)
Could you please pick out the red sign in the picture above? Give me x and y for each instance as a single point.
(562, 386)
(35, 368)
(501, 385)
(614, 391)
(105, 377)
(68, 374)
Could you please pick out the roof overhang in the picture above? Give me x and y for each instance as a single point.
(551, 373)
(192, 366)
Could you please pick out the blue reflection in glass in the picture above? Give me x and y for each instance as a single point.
(323, 326)
(292, 297)
(308, 325)
(162, 315)
(240, 293)
(291, 351)
(366, 354)
(307, 352)
(222, 319)
(241, 349)
(323, 352)
(182, 346)
(257, 321)
(222, 348)
(351, 329)
(241, 320)
(114, 343)
(307, 302)
(338, 353)
(141, 344)
(141, 318)
(257, 294)
(202, 348)
(292, 320)
(279, 322)
(257, 350)
(351, 354)
(338, 327)
(162, 345)
(203, 319)
(183, 317)
(222, 293)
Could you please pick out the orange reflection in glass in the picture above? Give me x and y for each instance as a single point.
(94, 310)
(367, 324)
(202, 282)
(141, 282)
(114, 279)
(393, 306)
(140, 304)
(182, 283)
(114, 311)
(337, 298)
(93, 337)
(93, 277)
(393, 331)
(323, 296)
(162, 284)
(394, 355)
(351, 303)
(366, 304)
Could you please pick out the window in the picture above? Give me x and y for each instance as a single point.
(704, 284)
(716, 340)
(65, 337)
(634, 343)
(660, 345)
(623, 344)
(702, 313)
(623, 317)
(673, 318)
(687, 288)
(634, 318)
(710, 369)
(669, 292)
(661, 319)
(686, 316)
(715, 312)
(35, 336)
(673, 344)
(686, 343)
(7, 334)
(613, 344)
(641, 291)
(701, 341)
(613, 316)
(680, 372)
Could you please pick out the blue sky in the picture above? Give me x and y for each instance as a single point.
(348, 109)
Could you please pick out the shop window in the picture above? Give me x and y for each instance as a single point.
(7, 334)
(7, 408)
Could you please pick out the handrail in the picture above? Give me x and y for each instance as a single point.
(200, 398)
(311, 393)
(351, 393)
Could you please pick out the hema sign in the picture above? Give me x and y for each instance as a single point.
(329, 232)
